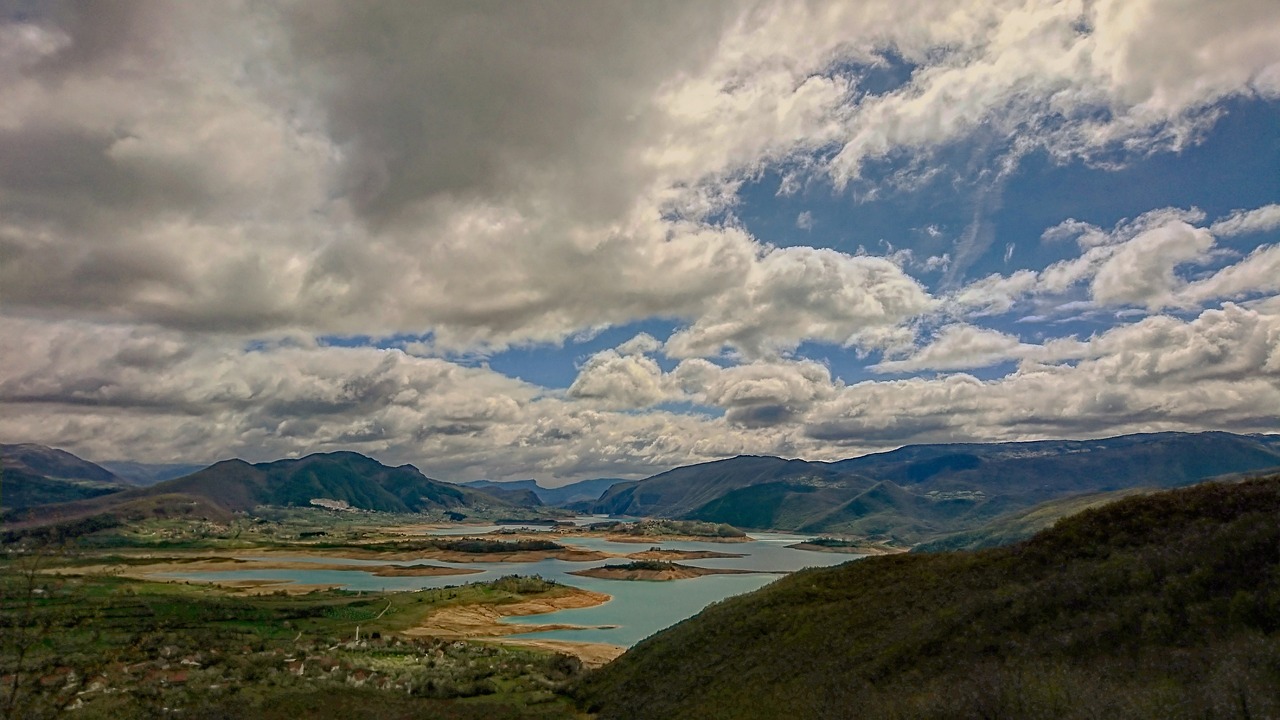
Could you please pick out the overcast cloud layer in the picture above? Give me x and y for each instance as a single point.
(268, 229)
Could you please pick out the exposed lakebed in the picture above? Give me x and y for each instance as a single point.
(637, 609)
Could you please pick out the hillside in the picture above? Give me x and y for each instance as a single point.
(35, 475)
(144, 474)
(683, 491)
(923, 492)
(235, 485)
(581, 491)
(351, 477)
(1156, 606)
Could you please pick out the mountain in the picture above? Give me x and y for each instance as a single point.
(360, 481)
(682, 492)
(144, 474)
(1154, 606)
(36, 475)
(921, 492)
(49, 462)
(581, 491)
(235, 485)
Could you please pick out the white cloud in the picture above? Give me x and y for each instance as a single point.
(956, 347)
(1141, 271)
(1242, 222)
(798, 293)
(620, 381)
(1257, 273)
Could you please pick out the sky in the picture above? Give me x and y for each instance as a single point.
(562, 240)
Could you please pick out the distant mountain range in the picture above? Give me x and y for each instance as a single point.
(921, 492)
(912, 495)
(235, 485)
(584, 491)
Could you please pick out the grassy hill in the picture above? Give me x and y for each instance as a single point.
(1156, 606)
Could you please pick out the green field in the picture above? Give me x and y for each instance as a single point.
(113, 647)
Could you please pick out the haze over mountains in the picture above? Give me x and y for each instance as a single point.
(908, 496)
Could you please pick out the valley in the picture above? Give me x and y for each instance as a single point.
(225, 599)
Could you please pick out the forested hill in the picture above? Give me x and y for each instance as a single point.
(1157, 606)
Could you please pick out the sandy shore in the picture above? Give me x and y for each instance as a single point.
(655, 539)
(166, 570)
(485, 622)
(850, 550)
(592, 655)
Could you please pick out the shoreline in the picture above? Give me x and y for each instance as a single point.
(867, 550)
(485, 622)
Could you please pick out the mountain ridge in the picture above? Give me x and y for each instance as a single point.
(948, 487)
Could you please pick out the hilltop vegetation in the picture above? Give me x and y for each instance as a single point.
(1158, 606)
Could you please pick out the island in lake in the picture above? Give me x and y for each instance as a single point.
(654, 570)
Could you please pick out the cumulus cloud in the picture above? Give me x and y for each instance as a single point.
(798, 293)
(1140, 272)
(1221, 369)
(760, 394)
(957, 347)
(620, 380)
(192, 198)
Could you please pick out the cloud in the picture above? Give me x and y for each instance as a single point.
(761, 394)
(1243, 222)
(1259, 272)
(801, 293)
(1218, 370)
(193, 199)
(1141, 271)
(150, 394)
(618, 380)
(1135, 263)
(956, 347)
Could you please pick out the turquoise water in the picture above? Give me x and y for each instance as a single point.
(638, 609)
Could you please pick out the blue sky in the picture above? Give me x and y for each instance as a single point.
(565, 240)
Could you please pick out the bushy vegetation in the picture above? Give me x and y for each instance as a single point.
(1160, 606)
(833, 542)
(691, 528)
(651, 565)
(481, 545)
(116, 648)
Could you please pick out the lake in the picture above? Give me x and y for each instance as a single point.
(638, 609)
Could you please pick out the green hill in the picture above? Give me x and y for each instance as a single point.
(360, 481)
(35, 475)
(1156, 606)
